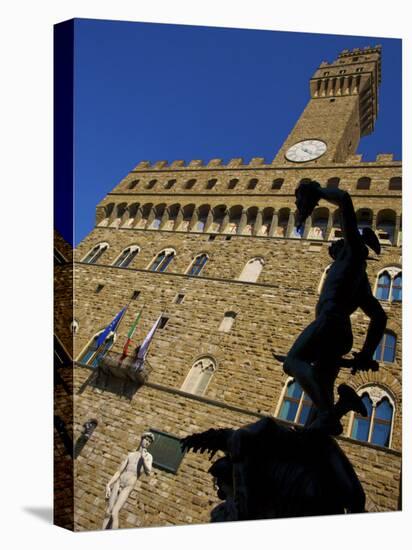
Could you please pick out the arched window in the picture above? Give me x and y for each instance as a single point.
(146, 211)
(132, 210)
(127, 256)
(158, 216)
(320, 219)
(190, 184)
(395, 184)
(197, 265)
(333, 183)
(364, 218)
(277, 183)
(385, 226)
(162, 260)
(120, 210)
(283, 221)
(232, 183)
(389, 285)
(376, 428)
(295, 404)
(250, 221)
(235, 214)
(133, 184)
(386, 348)
(169, 184)
(107, 212)
(363, 183)
(267, 218)
(252, 183)
(151, 184)
(199, 376)
(218, 217)
(95, 253)
(92, 354)
(227, 321)
(211, 183)
(252, 270)
(188, 212)
(203, 213)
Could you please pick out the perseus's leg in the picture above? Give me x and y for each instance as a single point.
(123, 496)
(298, 364)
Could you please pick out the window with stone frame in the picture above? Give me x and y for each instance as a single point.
(389, 285)
(197, 265)
(232, 183)
(395, 184)
(227, 321)
(376, 427)
(59, 259)
(95, 253)
(199, 376)
(295, 405)
(127, 256)
(252, 270)
(385, 352)
(162, 260)
(363, 183)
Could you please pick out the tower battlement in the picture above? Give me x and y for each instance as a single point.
(255, 162)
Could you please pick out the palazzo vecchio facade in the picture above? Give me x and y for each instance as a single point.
(212, 248)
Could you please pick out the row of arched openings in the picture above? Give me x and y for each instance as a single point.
(323, 224)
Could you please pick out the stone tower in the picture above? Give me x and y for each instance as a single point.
(211, 248)
(343, 107)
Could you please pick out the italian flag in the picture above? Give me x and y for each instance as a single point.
(130, 334)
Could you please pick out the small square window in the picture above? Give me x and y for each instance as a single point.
(99, 288)
(163, 322)
(135, 294)
(166, 451)
(228, 238)
(212, 237)
(179, 298)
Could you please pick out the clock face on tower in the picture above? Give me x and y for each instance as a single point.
(306, 150)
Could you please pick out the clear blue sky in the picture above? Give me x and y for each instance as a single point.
(163, 92)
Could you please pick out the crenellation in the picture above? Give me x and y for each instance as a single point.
(257, 161)
(384, 157)
(195, 164)
(143, 164)
(160, 164)
(235, 162)
(214, 163)
(177, 164)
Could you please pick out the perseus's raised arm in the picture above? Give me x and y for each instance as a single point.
(349, 225)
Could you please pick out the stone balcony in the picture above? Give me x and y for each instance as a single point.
(128, 368)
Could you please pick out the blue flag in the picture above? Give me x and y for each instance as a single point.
(110, 328)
